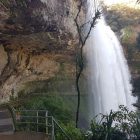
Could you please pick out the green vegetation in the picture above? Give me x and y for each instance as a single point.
(117, 125)
(128, 33)
(56, 106)
(73, 132)
(60, 106)
(129, 41)
(125, 15)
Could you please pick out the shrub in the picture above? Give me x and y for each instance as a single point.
(118, 125)
(73, 132)
(56, 106)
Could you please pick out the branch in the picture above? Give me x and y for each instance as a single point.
(85, 24)
(138, 1)
(97, 16)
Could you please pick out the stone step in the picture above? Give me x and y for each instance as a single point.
(6, 122)
(6, 133)
(4, 114)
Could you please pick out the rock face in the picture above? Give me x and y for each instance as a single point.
(37, 40)
(3, 60)
(36, 15)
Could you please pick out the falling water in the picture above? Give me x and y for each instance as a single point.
(109, 77)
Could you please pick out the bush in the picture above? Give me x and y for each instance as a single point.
(118, 125)
(73, 132)
(55, 105)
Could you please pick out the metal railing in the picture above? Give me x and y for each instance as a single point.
(38, 121)
(55, 123)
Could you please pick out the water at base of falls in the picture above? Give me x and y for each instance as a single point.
(108, 73)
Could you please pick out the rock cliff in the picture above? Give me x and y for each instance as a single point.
(37, 46)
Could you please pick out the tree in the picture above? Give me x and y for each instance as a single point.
(82, 41)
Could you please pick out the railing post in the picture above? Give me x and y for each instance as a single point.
(14, 119)
(46, 119)
(37, 120)
(53, 134)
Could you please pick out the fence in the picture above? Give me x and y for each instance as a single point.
(38, 121)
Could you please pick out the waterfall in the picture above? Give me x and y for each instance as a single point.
(108, 73)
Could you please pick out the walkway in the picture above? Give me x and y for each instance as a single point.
(24, 136)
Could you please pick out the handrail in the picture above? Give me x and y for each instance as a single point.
(47, 124)
(32, 123)
(32, 110)
(62, 130)
(22, 116)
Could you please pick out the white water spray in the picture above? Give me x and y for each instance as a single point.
(109, 77)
